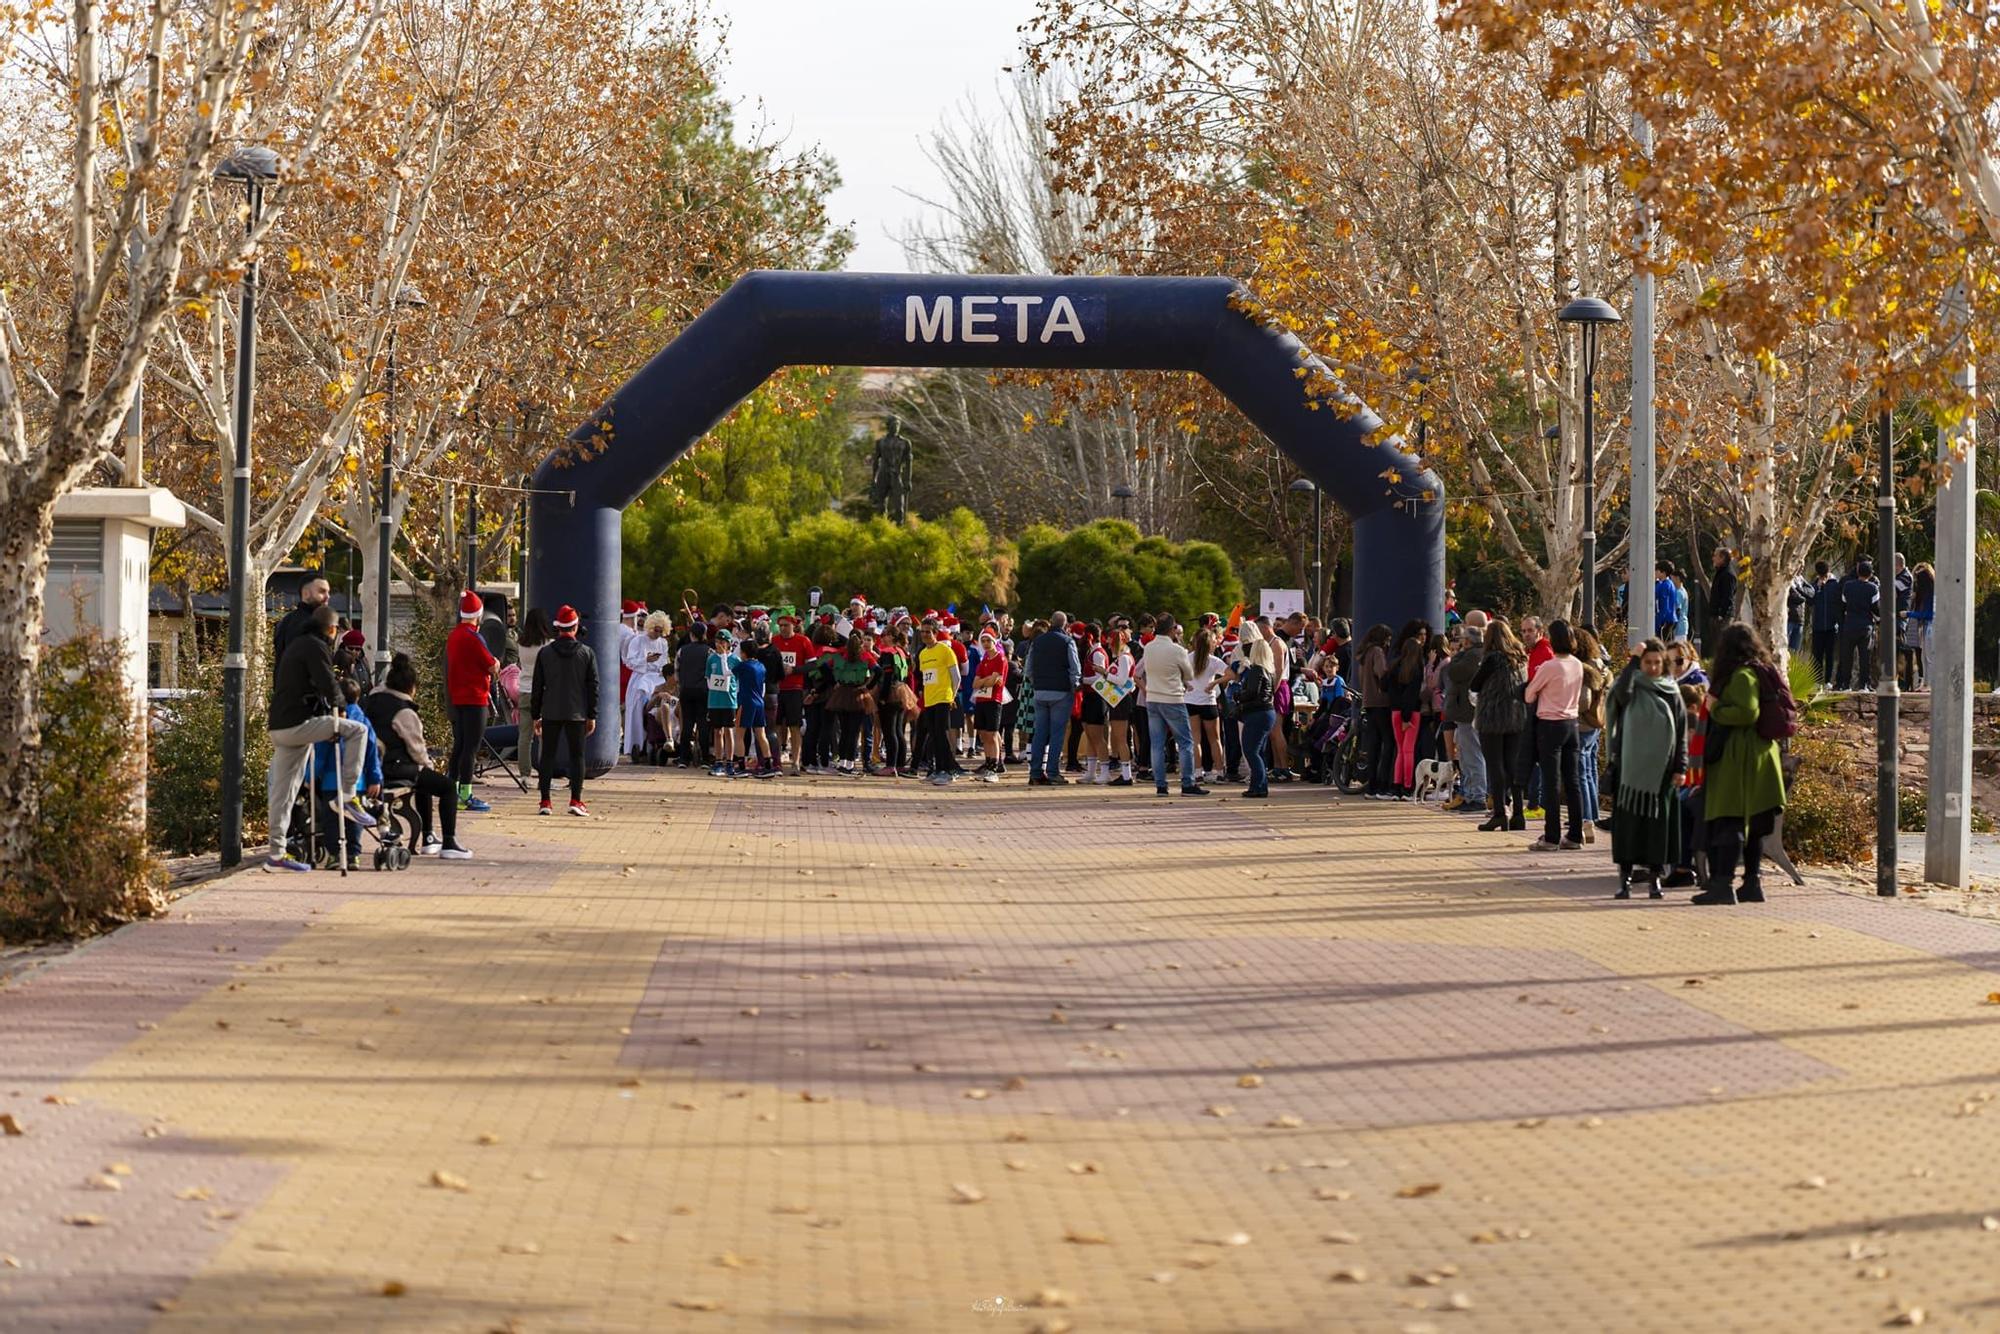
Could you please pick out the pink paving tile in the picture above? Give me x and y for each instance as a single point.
(1353, 1033)
(960, 822)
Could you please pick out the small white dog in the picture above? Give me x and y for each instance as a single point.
(1434, 778)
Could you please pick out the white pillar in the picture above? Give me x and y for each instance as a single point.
(1639, 617)
(1948, 806)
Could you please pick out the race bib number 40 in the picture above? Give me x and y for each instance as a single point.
(790, 660)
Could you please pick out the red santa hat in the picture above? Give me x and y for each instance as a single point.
(629, 608)
(948, 621)
(566, 618)
(469, 606)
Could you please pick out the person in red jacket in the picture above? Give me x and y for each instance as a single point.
(470, 670)
(795, 651)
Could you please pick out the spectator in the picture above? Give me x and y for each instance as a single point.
(1500, 716)
(470, 669)
(1378, 734)
(1461, 713)
(1054, 673)
(1798, 609)
(1744, 782)
(313, 593)
(1167, 672)
(351, 660)
(1666, 599)
(1923, 614)
(1860, 598)
(691, 681)
(406, 760)
(1721, 595)
(303, 701)
(326, 767)
(1590, 727)
(535, 634)
(1646, 728)
(1256, 696)
(563, 709)
(1825, 621)
(1555, 693)
(938, 671)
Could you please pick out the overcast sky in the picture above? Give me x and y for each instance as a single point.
(869, 80)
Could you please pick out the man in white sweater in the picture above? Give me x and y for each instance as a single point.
(1168, 672)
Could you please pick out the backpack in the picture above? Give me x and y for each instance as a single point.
(1254, 689)
(1777, 711)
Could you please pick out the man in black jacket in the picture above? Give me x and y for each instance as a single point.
(307, 707)
(313, 593)
(1860, 596)
(1054, 672)
(1721, 598)
(564, 706)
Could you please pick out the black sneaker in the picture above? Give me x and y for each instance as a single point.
(1681, 879)
(1196, 791)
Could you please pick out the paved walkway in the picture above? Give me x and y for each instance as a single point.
(812, 1056)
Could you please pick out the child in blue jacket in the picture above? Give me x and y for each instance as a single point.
(327, 770)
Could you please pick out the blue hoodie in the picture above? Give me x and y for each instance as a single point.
(328, 768)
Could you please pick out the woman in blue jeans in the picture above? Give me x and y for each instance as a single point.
(1590, 727)
(1256, 703)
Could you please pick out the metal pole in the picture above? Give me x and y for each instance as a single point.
(1641, 613)
(1319, 554)
(471, 536)
(1887, 692)
(1589, 617)
(384, 532)
(1948, 670)
(234, 665)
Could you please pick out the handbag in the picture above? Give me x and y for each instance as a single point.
(1113, 693)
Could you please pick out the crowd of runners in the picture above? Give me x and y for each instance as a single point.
(1678, 761)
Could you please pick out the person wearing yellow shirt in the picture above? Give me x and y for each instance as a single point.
(937, 673)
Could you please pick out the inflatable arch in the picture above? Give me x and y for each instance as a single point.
(769, 320)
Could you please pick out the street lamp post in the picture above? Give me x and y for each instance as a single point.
(255, 167)
(1123, 494)
(1302, 485)
(1888, 692)
(1589, 312)
(407, 297)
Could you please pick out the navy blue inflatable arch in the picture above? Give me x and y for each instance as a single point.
(770, 320)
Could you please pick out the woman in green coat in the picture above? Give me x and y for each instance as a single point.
(1647, 730)
(1744, 785)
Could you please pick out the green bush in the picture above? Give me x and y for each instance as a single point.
(1107, 566)
(88, 868)
(184, 774)
(1830, 808)
(1911, 812)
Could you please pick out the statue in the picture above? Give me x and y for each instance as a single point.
(889, 486)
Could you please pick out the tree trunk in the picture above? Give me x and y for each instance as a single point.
(27, 524)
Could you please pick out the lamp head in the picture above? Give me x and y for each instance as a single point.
(1588, 310)
(1123, 491)
(251, 163)
(1304, 486)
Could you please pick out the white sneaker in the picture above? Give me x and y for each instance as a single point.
(433, 845)
(456, 854)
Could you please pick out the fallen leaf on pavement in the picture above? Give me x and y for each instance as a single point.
(1990, 1223)
(1053, 1325)
(1285, 1122)
(978, 1095)
(1340, 1237)
(731, 1260)
(394, 1288)
(1226, 1239)
(1250, 1081)
(489, 1138)
(967, 1194)
(806, 1095)
(624, 1238)
(1085, 1169)
(84, 1220)
(1913, 1315)
(10, 1125)
(521, 1248)
(450, 1181)
(1459, 1301)
(1330, 1193)
(1812, 1183)
(1017, 1164)
(59, 1100)
(1015, 1084)
(102, 1182)
(1218, 1111)
(701, 1303)
(1418, 1192)
(1354, 1275)
(1053, 1297)
(1077, 1237)
(194, 1193)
